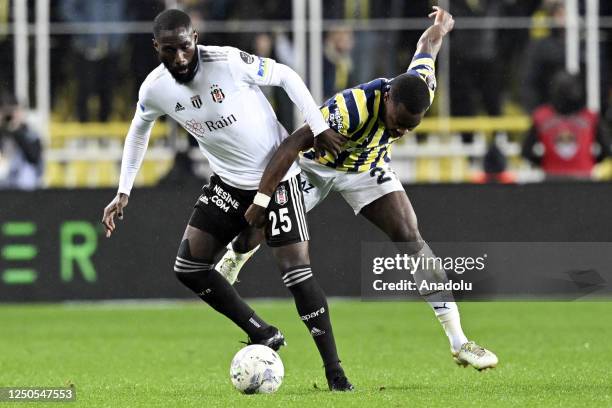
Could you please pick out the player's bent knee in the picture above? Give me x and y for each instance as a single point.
(290, 256)
(193, 273)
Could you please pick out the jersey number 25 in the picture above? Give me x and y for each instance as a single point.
(283, 219)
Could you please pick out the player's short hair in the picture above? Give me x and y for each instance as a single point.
(169, 20)
(411, 91)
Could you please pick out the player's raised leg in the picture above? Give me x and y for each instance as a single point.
(394, 215)
(239, 251)
(194, 268)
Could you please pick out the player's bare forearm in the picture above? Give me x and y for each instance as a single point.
(284, 156)
(431, 40)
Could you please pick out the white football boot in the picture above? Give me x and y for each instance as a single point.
(230, 264)
(478, 357)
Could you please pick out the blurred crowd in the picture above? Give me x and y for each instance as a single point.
(21, 162)
(95, 77)
(489, 67)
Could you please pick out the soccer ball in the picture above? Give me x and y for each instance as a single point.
(257, 369)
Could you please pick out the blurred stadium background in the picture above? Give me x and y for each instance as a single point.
(75, 67)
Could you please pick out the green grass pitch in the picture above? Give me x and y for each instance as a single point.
(178, 355)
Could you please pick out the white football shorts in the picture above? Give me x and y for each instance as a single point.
(358, 189)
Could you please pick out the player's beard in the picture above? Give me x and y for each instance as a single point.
(192, 68)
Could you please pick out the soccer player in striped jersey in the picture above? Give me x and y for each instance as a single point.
(372, 116)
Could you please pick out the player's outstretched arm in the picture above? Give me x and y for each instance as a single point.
(431, 40)
(134, 150)
(276, 169)
(326, 140)
(267, 72)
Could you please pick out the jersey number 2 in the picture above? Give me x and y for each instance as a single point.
(381, 175)
(283, 220)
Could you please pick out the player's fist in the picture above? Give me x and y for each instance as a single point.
(115, 207)
(443, 18)
(256, 216)
(328, 141)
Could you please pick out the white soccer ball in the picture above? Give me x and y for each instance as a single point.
(257, 369)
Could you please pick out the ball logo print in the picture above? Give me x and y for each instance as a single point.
(257, 369)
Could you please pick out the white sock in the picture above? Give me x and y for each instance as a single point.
(448, 315)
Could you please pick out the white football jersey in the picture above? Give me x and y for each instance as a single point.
(224, 109)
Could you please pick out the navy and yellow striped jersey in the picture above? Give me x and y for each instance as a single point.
(354, 113)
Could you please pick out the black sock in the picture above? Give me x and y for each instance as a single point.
(215, 290)
(312, 306)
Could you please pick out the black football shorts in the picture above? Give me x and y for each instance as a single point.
(220, 212)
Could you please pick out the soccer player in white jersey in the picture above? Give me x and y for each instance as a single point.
(372, 117)
(213, 92)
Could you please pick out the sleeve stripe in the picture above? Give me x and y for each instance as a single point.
(422, 55)
(421, 66)
(423, 61)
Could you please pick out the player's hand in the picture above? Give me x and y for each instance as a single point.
(115, 207)
(328, 141)
(443, 18)
(256, 216)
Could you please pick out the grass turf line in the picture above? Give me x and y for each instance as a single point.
(396, 354)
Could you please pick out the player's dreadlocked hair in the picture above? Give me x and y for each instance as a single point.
(410, 91)
(170, 20)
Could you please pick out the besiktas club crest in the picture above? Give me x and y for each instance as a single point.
(281, 197)
(217, 93)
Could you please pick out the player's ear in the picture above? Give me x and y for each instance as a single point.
(386, 96)
(195, 37)
(155, 45)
